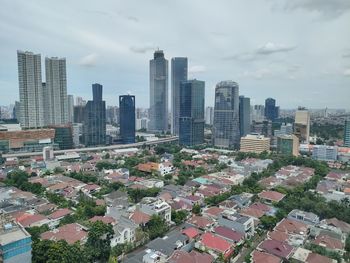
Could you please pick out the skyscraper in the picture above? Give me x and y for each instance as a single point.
(191, 119)
(127, 118)
(258, 113)
(302, 125)
(347, 133)
(56, 86)
(226, 115)
(70, 108)
(271, 111)
(31, 113)
(158, 93)
(179, 67)
(244, 115)
(95, 118)
(209, 115)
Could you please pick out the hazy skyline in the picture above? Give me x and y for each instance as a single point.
(297, 52)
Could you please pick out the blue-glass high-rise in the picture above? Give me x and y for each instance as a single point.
(244, 115)
(179, 70)
(226, 115)
(191, 120)
(95, 118)
(271, 111)
(127, 118)
(158, 93)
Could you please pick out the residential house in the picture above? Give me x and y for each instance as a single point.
(263, 257)
(71, 233)
(277, 248)
(180, 256)
(215, 245)
(304, 217)
(271, 196)
(240, 223)
(151, 206)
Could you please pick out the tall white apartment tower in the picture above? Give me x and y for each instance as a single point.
(56, 85)
(31, 110)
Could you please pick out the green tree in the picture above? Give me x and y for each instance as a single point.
(178, 217)
(98, 244)
(156, 227)
(196, 209)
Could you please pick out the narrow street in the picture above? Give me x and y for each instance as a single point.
(245, 251)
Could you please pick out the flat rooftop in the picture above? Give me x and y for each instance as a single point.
(11, 235)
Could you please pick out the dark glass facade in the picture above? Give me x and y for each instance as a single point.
(78, 114)
(244, 115)
(191, 120)
(95, 119)
(127, 118)
(63, 136)
(179, 66)
(226, 115)
(158, 93)
(271, 111)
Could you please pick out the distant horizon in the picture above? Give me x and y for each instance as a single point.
(270, 48)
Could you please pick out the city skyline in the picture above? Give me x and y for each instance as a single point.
(266, 58)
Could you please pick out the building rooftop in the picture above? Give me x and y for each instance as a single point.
(11, 232)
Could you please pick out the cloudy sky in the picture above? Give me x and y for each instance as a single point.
(296, 51)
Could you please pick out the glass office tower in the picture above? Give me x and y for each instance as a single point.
(127, 118)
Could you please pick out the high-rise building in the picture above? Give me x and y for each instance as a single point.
(79, 101)
(191, 118)
(158, 93)
(347, 133)
(302, 125)
(325, 153)
(226, 115)
(112, 115)
(244, 115)
(70, 108)
(271, 111)
(95, 118)
(127, 118)
(263, 128)
(16, 110)
(255, 143)
(285, 129)
(79, 114)
(179, 70)
(15, 243)
(209, 115)
(258, 113)
(31, 113)
(56, 91)
(288, 144)
(63, 136)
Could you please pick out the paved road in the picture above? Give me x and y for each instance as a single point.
(245, 250)
(100, 148)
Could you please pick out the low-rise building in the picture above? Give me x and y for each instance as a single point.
(240, 223)
(15, 243)
(325, 153)
(255, 143)
(151, 206)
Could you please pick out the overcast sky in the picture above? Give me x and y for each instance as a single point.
(295, 51)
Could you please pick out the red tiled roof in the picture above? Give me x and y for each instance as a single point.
(139, 217)
(252, 212)
(272, 195)
(26, 220)
(216, 243)
(60, 213)
(260, 206)
(278, 236)
(193, 257)
(316, 258)
(191, 232)
(262, 257)
(104, 219)
(71, 233)
(229, 233)
(100, 202)
(214, 211)
(200, 221)
(276, 248)
(345, 227)
(292, 226)
(328, 242)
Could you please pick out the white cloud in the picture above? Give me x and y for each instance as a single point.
(270, 48)
(89, 60)
(197, 69)
(329, 8)
(346, 72)
(258, 74)
(142, 49)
